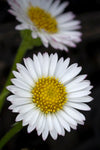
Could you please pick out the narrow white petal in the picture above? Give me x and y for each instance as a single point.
(45, 68)
(45, 132)
(78, 94)
(63, 123)
(53, 134)
(31, 128)
(56, 124)
(19, 117)
(85, 99)
(65, 17)
(19, 92)
(34, 34)
(30, 67)
(40, 122)
(44, 39)
(36, 114)
(17, 75)
(74, 113)
(21, 101)
(80, 106)
(76, 80)
(50, 122)
(61, 67)
(71, 72)
(77, 87)
(53, 63)
(21, 84)
(60, 9)
(27, 117)
(25, 108)
(37, 66)
(25, 74)
(39, 131)
(67, 118)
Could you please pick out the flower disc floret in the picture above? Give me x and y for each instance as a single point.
(49, 95)
(42, 19)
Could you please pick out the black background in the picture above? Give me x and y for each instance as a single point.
(87, 55)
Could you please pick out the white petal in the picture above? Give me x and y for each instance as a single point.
(22, 27)
(30, 67)
(19, 100)
(45, 132)
(40, 122)
(45, 68)
(53, 134)
(50, 122)
(31, 117)
(21, 84)
(27, 117)
(19, 92)
(44, 39)
(56, 124)
(34, 34)
(60, 9)
(76, 80)
(25, 74)
(71, 72)
(80, 106)
(65, 17)
(53, 64)
(21, 108)
(39, 131)
(36, 114)
(19, 117)
(61, 67)
(37, 66)
(31, 128)
(81, 99)
(78, 94)
(17, 75)
(74, 113)
(67, 118)
(79, 86)
(63, 123)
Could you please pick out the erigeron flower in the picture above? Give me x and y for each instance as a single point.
(46, 21)
(47, 94)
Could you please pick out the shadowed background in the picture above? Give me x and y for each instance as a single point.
(87, 55)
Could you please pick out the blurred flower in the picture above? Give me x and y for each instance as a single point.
(46, 94)
(45, 20)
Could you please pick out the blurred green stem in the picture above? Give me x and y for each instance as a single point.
(20, 53)
(13, 131)
(27, 43)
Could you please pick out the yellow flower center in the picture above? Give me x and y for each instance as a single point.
(42, 19)
(49, 95)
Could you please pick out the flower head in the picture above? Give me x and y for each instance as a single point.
(47, 95)
(45, 20)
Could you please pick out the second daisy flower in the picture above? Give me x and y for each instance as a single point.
(45, 20)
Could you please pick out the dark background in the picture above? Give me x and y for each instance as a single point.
(87, 54)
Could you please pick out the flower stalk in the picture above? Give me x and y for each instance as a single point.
(27, 43)
(13, 131)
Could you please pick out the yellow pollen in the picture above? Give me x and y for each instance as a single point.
(42, 19)
(49, 95)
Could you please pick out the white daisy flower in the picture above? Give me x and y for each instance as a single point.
(46, 21)
(47, 95)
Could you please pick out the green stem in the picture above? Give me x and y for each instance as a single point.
(27, 43)
(21, 51)
(15, 129)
